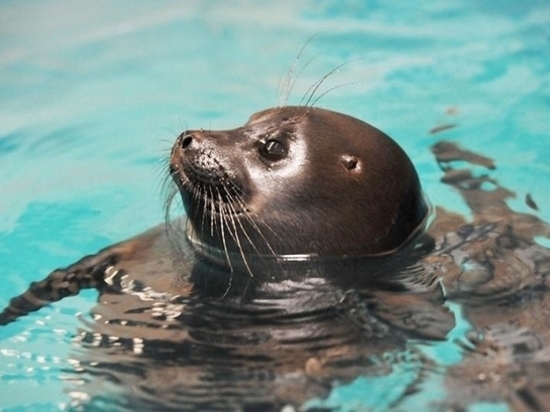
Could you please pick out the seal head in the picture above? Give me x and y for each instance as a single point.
(298, 180)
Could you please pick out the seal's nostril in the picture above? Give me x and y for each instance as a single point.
(186, 141)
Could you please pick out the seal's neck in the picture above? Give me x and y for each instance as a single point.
(393, 272)
(221, 256)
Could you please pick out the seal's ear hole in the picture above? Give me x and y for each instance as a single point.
(350, 162)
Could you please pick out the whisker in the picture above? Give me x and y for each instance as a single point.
(241, 250)
(212, 214)
(332, 89)
(236, 199)
(284, 88)
(315, 86)
(252, 221)
(197, 194)
(224, 242)
(170, 225)
(298, 76)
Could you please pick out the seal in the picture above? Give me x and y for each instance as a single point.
(280, 274)
(293, 184)
(298, 181)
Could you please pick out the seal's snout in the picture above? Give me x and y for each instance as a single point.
(198, 160)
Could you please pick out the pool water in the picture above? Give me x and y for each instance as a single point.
(92, 95)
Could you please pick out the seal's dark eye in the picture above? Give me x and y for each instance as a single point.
(273, 150)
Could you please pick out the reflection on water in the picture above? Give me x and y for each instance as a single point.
(254, 345)
(271, 345)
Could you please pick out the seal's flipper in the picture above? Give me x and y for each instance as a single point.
(89, 272)
(102, 271)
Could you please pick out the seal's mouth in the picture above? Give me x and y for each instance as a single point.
(216, 200)
(212, 191)
(206, 173)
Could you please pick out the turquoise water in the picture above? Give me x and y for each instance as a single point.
(92, 95)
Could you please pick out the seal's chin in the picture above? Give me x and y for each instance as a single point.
(220, 207)
(218, 255)
(206, 195)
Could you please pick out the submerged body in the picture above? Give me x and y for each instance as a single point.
(304, 262)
